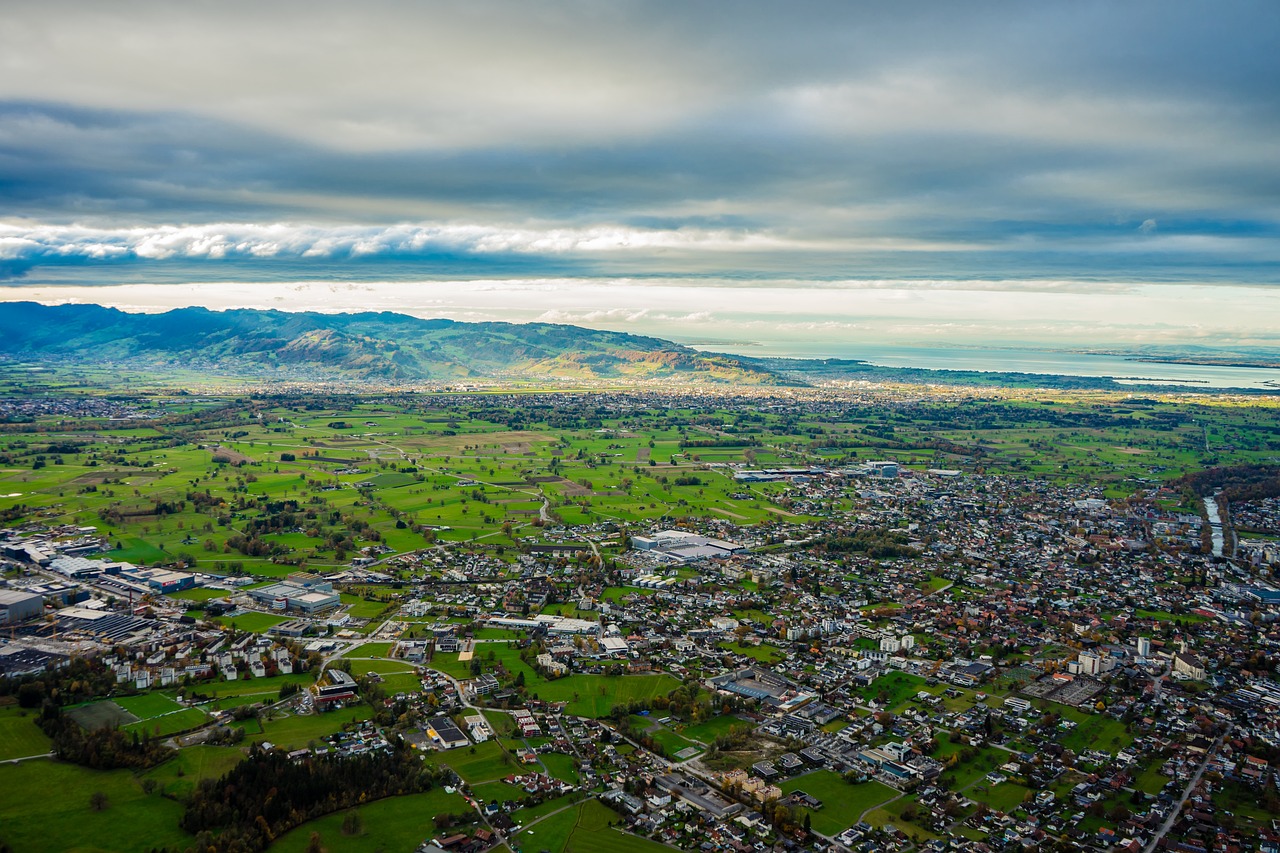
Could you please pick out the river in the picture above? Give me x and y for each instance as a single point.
(1215, 524)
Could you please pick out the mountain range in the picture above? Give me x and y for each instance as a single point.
(368, 346)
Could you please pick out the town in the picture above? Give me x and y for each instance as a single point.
(873, 618)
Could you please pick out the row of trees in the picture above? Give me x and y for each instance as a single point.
(105, 748)
(268, 794)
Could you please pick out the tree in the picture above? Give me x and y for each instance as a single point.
(98, 801)
(313, 845)
(352, 823)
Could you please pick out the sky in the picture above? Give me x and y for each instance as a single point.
(1092, 174)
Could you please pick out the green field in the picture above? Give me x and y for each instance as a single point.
(893, 689)
(1004, 797)
(254, 686)
(167, 724)
(258, 623)
(484, 762)
(198, 594)
(147, 705)
(709, 730)
(294, 732)
(842, 803)
(584, 829)
(1092, 731)
(44, 805)
(560, 766)
(595, 695)
(19, 734)
(179, 776)
(671, 743)
(396, 823)
(764, 653)
(892, 813)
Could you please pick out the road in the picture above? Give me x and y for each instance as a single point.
(1186, 792)
(1159, 682)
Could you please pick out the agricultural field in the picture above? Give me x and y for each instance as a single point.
(392, 473)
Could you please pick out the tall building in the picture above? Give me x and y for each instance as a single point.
(1090, 664)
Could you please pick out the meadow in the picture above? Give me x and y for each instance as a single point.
(19, 734)
(395, 823)
(842, 803)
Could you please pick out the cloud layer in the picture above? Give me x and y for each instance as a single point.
(820, 141)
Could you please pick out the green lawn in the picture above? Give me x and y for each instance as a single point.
(671, 742)
(370, 650)
(584, 829)
(525, 816)
(893, 689)
(253, 686)
(561, 766)
(144, 706)
(198, 594)
(595, 695)
(551, 834)
(968, 772)
(19, 734)
(258, 623)
(892, 813)
(500, 791)
(1244, 803)
(44, 805)
(167, 724)
(709, 730)
(1004, 797)
(294, 732)
(1151, 781)
(360, 608)
(179, 775)
(763, 653)
(842, 803)
(1095, 731)
(484, 762)
(138, 551)
(396, 823)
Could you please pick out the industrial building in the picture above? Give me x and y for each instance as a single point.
(156, 580)
(17, 606)
(305, 595)
(678, 546)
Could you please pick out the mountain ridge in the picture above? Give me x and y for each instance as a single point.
(361, 346)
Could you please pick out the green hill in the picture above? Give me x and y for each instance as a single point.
(369, 346)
